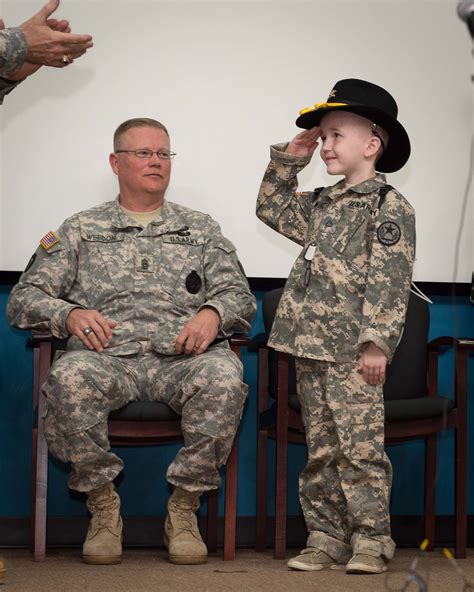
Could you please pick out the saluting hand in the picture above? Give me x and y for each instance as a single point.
(198, 333)
(372, 364)
(305, 143)
(91, 327)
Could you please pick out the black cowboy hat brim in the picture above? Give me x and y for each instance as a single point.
(398, 150)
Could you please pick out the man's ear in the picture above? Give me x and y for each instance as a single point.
(113, 160)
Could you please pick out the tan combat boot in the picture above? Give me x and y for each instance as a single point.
(103, 544)
(182, 537)
(3, 568)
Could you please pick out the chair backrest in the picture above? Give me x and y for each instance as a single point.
(269, 305)
(407, 373)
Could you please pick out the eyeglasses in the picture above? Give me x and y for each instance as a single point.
(146, 153)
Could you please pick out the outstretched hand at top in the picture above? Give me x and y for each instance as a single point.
(47, 45)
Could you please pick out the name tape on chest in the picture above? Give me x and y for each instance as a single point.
(182, 240)
(102, 238)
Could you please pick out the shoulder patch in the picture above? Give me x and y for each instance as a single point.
(30, 262)
(389, 233)
(49, 240)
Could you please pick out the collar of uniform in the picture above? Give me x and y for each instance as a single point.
(370, 185)
(334, 191)
(169, 220)
(118, 218)
(365, 187)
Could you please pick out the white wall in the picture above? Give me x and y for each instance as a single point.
(228, 79)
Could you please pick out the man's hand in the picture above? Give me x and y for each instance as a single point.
(28, 69)
(305, 143)
(80, 319)
(198, 333)
(372, 364)
(46, 45)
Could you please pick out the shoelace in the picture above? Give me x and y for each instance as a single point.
(102, 515)
(185, 520)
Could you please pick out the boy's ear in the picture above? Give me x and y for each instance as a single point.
(373, 146)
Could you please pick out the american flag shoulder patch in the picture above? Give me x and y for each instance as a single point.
(49, 240)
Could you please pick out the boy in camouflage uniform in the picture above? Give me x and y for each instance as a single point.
(342, 313)
(142, 287)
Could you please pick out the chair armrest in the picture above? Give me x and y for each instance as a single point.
(443, 344)
(462, 347)
(239, 340)
(38, 337)
(257, 342)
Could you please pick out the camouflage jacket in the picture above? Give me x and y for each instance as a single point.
(6, 86)
(150, 281)
(353, 286)
(13, 50)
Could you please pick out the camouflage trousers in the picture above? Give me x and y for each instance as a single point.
(345, 486)
(84, 386)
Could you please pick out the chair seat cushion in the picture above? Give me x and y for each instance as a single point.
(404, 409)
(144, 411)
(269, 416)
(420, 408)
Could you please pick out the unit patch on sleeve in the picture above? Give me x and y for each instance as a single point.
(389, 233)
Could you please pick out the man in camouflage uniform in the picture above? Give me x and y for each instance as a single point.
(39, 41)
(146, 290)
(341, 314)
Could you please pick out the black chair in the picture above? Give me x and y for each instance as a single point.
(136, 424)
(413, 409)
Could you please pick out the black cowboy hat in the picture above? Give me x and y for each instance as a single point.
(374, 103)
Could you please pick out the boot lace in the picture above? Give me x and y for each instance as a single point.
(102, 516)
(185, 518)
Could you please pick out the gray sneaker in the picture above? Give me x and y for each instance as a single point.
(312, 559)
(361, 563)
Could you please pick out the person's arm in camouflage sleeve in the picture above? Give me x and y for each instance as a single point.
(39, 41)
(279, 205)
(38, 300)
(227, 288)
(13, 50)
(230, 305)
(6, 86)
(389, 276)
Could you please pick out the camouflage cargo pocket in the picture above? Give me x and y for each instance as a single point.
(367, 432)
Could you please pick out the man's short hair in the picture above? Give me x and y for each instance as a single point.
(136, 122)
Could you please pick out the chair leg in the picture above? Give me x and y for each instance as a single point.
(230, 517)
(281, 471)
(281, 479)
(261, 510)
(212, 520)
(40, 457)
(430, 490)
(460, 469)
(34, 457)
(460, 464)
